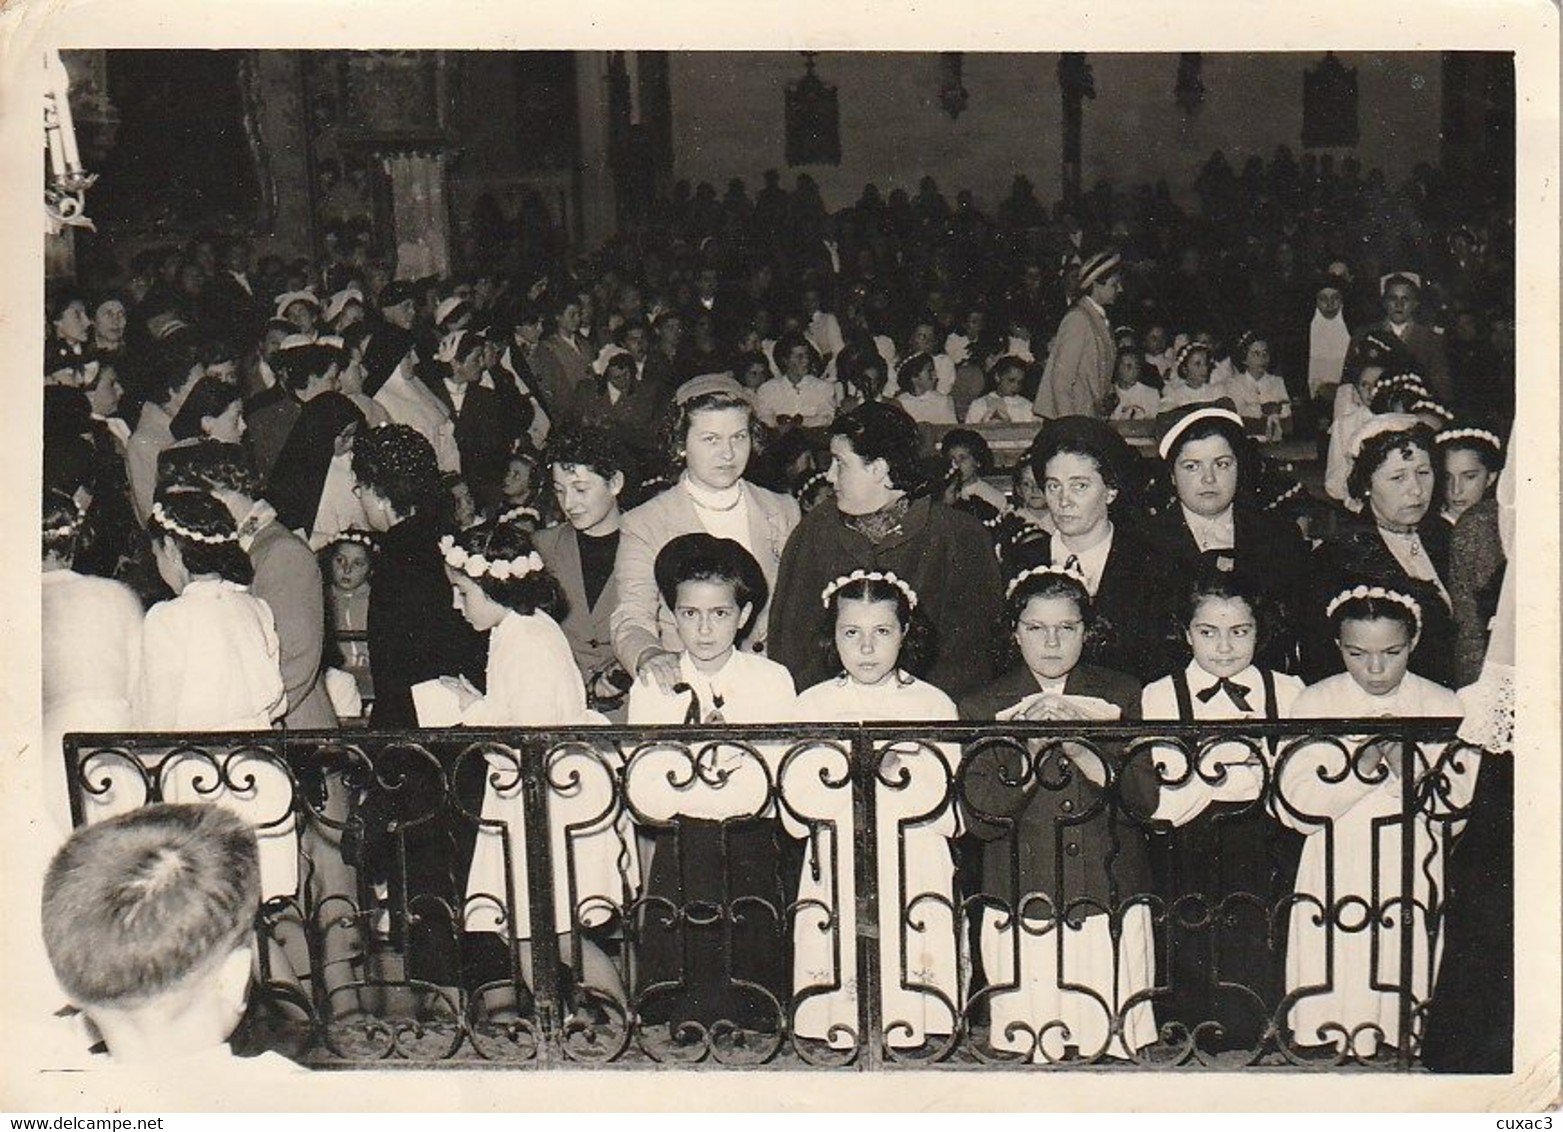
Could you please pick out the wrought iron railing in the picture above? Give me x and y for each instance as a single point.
(1001, 895)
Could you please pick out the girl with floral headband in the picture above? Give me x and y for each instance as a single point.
(1065, 932)
(1470, 459)
(347, 567)
(504, 591)
(209, 655)
(872, 627)
(1344, 942)
(210, 661)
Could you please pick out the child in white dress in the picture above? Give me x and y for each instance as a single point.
(1133, 399)
(1004, 402)
(531, 681)
(1260, 396)
(876, 639)
(1224, 848)
(710, 809)
(1344, 944)
(1191, 381)
(210, 662)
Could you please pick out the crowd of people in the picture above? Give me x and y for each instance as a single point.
(684, 480)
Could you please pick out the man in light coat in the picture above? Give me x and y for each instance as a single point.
(1079, 368)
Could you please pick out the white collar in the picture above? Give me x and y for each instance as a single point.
(1091, 562)
(1207, 530)
(711, 498)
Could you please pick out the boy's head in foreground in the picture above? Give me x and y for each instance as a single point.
(148, 919)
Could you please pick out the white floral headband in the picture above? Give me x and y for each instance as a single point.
(162, 519)
(476, 566)
(361, 538)
(869, 576)
(521, 512)
(1379, 593)
(1480, 434)
(1423, 404)
(1040, 572)
(1186, 349)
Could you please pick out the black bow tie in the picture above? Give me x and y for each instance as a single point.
(1237, 693)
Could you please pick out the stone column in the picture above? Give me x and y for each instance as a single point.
(420, 212)
(595, 169)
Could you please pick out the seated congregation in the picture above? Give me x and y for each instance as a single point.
(426, 504)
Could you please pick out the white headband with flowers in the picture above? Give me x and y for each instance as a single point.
(164, 520)
(869, 576)
(1423, 404)
(477, 566)
(1041, 572)
(517, 513)
(1360, 593)
(1480, 434)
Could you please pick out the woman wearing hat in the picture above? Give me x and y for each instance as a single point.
(1079, 367)
(712, 438)
(1216, 517)
(1398, 542)
(1083, 467)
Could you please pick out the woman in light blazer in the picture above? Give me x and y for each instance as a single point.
(713, 438)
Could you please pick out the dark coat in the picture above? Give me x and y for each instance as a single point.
(1133, 603)
(1053, 831)
(943, 554)
(485, 433)
(415, 633)
(1357, 555)
(1423, 351)
(1269, 552)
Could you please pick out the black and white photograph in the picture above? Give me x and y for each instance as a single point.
(818, 560)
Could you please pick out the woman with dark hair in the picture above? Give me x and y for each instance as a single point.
(414, 633)
(713, 439)
(213, 409)
(70, 330)
(970, 460)
(883, 519)
(799, 396)
(1398, 541)
(1086, 471)
(1215, 517)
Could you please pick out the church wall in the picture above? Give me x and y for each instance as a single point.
(728, 118)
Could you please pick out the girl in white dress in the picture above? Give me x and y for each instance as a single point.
(876, 639)
(1344, 941)
(532, 681)
(1224, 848)
(210, 662)
(1260, 396)
(91, 654)
(709, 810)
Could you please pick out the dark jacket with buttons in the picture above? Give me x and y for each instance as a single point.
(1055, 840)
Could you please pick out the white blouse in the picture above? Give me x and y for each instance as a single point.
(210, 662)
(532, 680)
